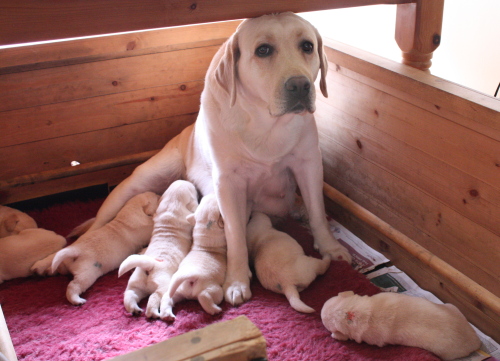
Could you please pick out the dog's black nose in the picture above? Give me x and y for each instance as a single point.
(298, 86)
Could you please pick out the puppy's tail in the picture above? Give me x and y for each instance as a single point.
(293, 297)
(81, 229)
(144, 262)
(179, 279)
(62, 255)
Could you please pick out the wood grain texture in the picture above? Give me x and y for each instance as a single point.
(32, 20)
(235, 340)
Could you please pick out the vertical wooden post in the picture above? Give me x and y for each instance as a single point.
(418, 31)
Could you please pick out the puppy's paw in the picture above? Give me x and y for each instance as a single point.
(153, 312)
(237, 292)
(335, 251)
(76, 300)
(167, 314)
(133, 309)
(43, 267)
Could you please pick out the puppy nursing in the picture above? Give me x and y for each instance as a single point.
(170, 243)
(102, 250)
(391, 318)
(201, 274)
(280, 262)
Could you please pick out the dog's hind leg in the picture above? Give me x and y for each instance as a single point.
(153, 307)
(210, 298)
(136, 291)
(80, 283)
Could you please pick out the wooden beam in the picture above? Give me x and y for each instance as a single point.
(235, 340)
(418, 31)
(34, 20)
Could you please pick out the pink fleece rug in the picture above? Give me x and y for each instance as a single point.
(45, 327)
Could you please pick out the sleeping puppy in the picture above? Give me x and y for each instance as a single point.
(392, 318)
(101, 251)
(20, 251)
(254, 141)
(280, 262)
(170, 243)
(13, 221)
(201, 274)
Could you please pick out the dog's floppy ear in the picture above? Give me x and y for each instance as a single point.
(226, 71)
(323, 64)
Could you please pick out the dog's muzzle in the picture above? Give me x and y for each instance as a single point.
(298, 95)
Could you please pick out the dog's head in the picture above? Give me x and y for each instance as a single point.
(273, 61)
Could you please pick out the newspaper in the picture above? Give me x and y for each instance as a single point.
(394, 280)
(364, 258)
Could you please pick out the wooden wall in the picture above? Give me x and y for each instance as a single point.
(96, 100)
(422, 154)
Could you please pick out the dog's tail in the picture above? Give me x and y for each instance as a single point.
(81, 229)
(144, 262)
(62, 255)
(293, 297)
(179, 279)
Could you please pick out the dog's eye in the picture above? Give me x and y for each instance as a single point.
(264, 50)
(307, 47)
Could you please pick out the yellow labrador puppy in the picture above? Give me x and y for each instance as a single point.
(393, 318)
(201, 274)
(170, 243)
(254, 141)
(101, 251)
(13, 221)
(20, 251)
(280, 262)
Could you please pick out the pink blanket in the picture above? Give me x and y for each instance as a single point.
(44, 326)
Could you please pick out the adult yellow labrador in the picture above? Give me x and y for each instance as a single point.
(254, 141)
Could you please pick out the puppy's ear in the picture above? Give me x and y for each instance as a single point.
(226, 71)
(323, 64)
(11, 222)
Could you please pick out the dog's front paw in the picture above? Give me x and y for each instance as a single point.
(237, 292)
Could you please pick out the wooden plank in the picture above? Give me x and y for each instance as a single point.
(485, 126)
(75, 170)
(445, 160)
(32, 20)
(6, 346)
(109, 176)
(481, 110)
(91, 114)
(420, 272)
(41, 56)
(87, 147)
(47, 86)
(236, 340)
(455, 239)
